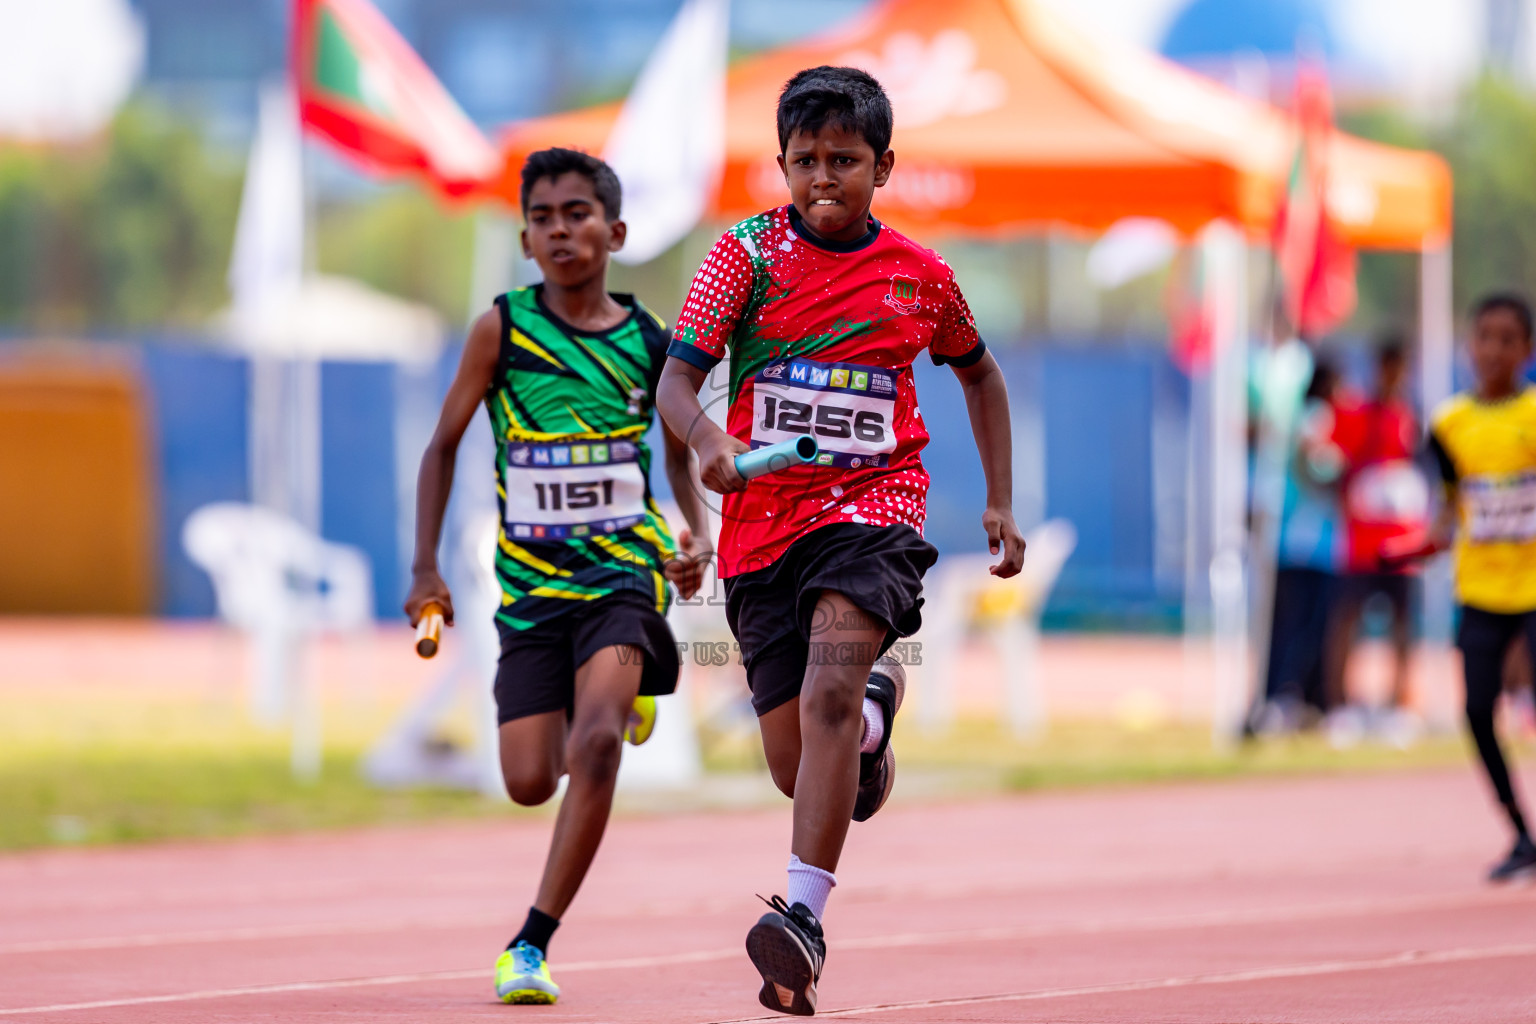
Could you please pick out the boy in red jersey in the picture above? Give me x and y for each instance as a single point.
(824, 309)
(1385, 499)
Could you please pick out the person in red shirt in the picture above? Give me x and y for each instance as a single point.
(823, 309)
(1385, 499)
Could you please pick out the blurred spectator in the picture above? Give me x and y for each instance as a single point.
(1385, 498)
(1311, 545)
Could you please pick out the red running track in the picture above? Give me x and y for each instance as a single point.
(1296, 901)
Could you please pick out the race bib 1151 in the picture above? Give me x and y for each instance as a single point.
(850, 409)
(556, 491)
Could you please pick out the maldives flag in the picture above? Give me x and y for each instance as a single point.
(1317, 268)
(364, 89)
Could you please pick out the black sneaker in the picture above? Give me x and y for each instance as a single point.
(1521, 859)
(787, 948)
(877, 769)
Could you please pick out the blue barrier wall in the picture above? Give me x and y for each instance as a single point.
(358, 503)
(198, 408)
(1094, 406)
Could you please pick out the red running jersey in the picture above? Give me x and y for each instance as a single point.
(1385, 495)
(821, 337)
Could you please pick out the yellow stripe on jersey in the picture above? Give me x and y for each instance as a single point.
(585, 426)
(515, 427)
(661, 592)
(1492, 447)
(527, 344)
(660, 323)
(568, 595)
(662, 545)
(616, 549)
(618, 375)
(623, 433)
(530, 559)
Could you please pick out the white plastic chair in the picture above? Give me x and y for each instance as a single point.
(280, 583)
(1010, 609)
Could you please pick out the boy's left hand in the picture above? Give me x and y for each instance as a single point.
(1003, 533)
(686, 568)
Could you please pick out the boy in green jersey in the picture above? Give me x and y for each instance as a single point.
(568, 373)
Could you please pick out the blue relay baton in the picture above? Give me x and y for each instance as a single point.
(775, 457)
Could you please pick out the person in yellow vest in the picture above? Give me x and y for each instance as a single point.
(1484, 442)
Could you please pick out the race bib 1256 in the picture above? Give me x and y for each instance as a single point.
(850, 409)
(555, 491)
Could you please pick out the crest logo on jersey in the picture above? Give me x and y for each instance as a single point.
(903, 294)
(773, 372)
(520, 456)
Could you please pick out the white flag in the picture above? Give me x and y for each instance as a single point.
(268, 259)
(668, 145)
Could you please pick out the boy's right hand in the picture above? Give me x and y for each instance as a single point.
(717, 463)
(427, 587)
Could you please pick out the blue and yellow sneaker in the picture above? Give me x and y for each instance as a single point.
(642, 720)
(522, 976)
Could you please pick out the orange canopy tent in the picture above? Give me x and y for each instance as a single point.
(1007, 118)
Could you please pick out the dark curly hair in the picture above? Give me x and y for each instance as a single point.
(847, 97)
(551, 163)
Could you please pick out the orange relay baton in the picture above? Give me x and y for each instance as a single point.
(429, 629)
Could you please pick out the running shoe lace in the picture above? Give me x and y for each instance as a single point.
(527, 958)
(777, 903)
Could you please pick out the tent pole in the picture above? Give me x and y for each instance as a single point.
(1437, 356)
(1227, 302)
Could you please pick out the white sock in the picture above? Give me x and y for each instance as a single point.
(809, 885)
(874, 727)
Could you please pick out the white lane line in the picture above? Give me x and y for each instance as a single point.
(1410, 958)
(249, 990)
(483, 973)
(252, 933)
(892, 941)
(1264, 915)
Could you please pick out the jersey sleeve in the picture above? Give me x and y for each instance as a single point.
(955, 339)
(1442, 460)
(1434, 443)
(717, 299)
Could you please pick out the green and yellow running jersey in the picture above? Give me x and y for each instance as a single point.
(569, 409)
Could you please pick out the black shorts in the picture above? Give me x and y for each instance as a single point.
(772, 610)
(1400, 589)
(1484, 639)
(537, 670)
